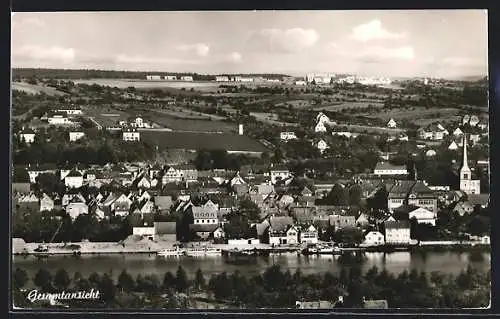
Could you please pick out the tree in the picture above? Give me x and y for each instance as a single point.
(181, 281)
(250, 210)
(43, 279)
(125, 281)
(61, 279)
(338, 196)
(107, 289)
(168, 280)
(355, 195)
(349, 236)
(199, 280)
(20, 278)
(49, 183)
(237, 226)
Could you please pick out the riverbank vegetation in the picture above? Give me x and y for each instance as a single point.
(274, 288)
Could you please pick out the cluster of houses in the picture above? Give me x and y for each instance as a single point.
(185, 78)
(27, 135)
(289, 214)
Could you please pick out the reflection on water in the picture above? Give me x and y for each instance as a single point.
(396, 262)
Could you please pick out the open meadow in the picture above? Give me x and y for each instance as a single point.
(36, 89)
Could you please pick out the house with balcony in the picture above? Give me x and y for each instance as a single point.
(308, 234)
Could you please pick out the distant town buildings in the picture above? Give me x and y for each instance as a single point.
(153, 77)
(187, 78)
(222, 78)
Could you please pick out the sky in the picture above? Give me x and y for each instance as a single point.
(425, 43)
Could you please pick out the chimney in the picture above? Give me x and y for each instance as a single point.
(240, 129)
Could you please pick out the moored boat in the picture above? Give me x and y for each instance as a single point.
(171, 252)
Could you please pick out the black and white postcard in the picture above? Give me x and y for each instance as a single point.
(250, 160)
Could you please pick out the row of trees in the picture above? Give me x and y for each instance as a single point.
(274, 288)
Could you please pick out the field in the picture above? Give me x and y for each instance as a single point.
(145, 84)
(191, 125)
(339, 106)
(35, 89)
(418, 115)
(371, 129)
(201, 141)
(184, 113)
(270, 118)
(106, 116)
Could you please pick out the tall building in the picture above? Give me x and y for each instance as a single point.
(467, 184)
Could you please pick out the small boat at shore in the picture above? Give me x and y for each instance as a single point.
(322, 250)
(203, 251)
(172, 252)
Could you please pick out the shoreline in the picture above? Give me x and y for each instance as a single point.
(87, 248)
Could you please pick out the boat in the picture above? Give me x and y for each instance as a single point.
(172, 252)
(42, 249)
(203, 251)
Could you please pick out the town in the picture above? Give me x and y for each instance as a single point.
(124, 175)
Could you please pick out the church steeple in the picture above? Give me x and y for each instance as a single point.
(465, 172)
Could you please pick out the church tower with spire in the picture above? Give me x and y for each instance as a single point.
(467, 184)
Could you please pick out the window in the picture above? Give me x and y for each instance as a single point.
(466, 176)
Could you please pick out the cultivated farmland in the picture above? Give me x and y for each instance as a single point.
(201, 141)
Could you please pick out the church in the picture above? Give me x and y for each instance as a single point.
(467, 184)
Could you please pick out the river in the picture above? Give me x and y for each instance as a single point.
(396, 262)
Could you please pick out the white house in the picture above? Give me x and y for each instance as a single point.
(187, 78)
(74, 179)
(59, 120)
(279, 174)
(27, 136)
(46, 203)
(322, 118)
(222, 79)
(131, 135)
(204, 215)
(423, 216)
(392, 123)
(373, 238)
(430, 153)
(71, 111)
(458, 132)
(453, 146)
(474, 120)
(300, 83)
(289, 236)
(286, 136)
(74, 136)
(397, 232)
(322, 146)
(320, 127)
(309, 235)
(76, 208)
(170, 77)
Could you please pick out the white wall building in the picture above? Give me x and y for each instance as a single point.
(187, 78)
(286, 136)
(59, 120)
(322, 146)
(392, 123)
(131, 135)
(373, 238)
(75, 136)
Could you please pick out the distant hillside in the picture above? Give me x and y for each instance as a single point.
(73, 74)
